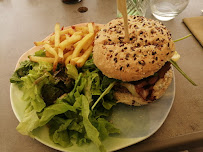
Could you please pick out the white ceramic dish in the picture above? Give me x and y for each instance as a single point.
(135, 123)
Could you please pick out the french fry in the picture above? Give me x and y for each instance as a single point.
(74, 38)
(87, 45)
(67, 61)
(69, 31)
(57, 34)
(40, 59)
(49, 54)
(90, 28)
(53, 52)
(60, 53)
(55, 62)
(84, 57)
(50, 49)
(68, 46)
(67, 54)
(74, 45)
(63, 37)
(74, 60)
(84, 29)
(67, 36)
(38, 43)
(81, 44)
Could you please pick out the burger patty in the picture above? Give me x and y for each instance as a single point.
(145, 86)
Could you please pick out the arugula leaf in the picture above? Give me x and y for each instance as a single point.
(182, 72)
(104, 93)
(92, 132)
(53, 110)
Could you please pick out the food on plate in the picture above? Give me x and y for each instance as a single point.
(60, 84)
(68, 45)
(71, 90)
(142, 65)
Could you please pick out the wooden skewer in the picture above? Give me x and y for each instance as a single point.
(121, 5)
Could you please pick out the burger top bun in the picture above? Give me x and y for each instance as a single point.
(149, 47)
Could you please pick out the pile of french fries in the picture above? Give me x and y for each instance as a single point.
(71, 45)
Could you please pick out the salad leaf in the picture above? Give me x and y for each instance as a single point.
(89, 64)
(68, 117)
(72, 71)
(22, 71)
(31, 90)
(92, 132)
(55, 109)
(40, 53)
(61, 136)
(105, 128)
(30, 121)
(50, 93)
(104, 93)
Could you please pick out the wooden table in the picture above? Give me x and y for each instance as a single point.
(25, 21)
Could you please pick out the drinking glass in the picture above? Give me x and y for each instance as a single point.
(166, 10)
(135, 7)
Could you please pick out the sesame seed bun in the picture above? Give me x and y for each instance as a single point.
(149, 47)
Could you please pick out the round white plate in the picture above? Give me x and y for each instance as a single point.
(135, 123)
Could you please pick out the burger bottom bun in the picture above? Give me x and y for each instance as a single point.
(159, 89)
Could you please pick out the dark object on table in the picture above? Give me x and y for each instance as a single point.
(71, 1)
(82, 9)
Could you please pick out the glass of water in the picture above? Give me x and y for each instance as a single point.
(166, 10)
(135, 7)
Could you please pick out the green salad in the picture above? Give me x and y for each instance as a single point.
(74, 104)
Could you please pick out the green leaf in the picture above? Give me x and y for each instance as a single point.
(40, 53)
(22, 71)
(72, 71)
(108, 104)
(182, 38)
(29, 122)
(182, 72)
(61, 135)
(92, 132)
(53, 110)
(104, 93)
(106, 128)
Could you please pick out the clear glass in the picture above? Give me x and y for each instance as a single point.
(166, 10)
(135, 7)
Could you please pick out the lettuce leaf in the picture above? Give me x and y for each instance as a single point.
(30, 121)
(22, 71)
(53, 110)
(69, 119)
(92, 132)
(40, 53)
(61, 135)
(72, 71)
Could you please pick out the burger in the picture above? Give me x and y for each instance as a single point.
(141, 64)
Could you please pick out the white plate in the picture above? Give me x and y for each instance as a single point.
(135, 123)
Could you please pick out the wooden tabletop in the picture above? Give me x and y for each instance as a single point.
(25, 21)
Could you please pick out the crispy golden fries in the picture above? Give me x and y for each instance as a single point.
(57, 35)
(81, 61)
(40, 59)
(68, 46)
